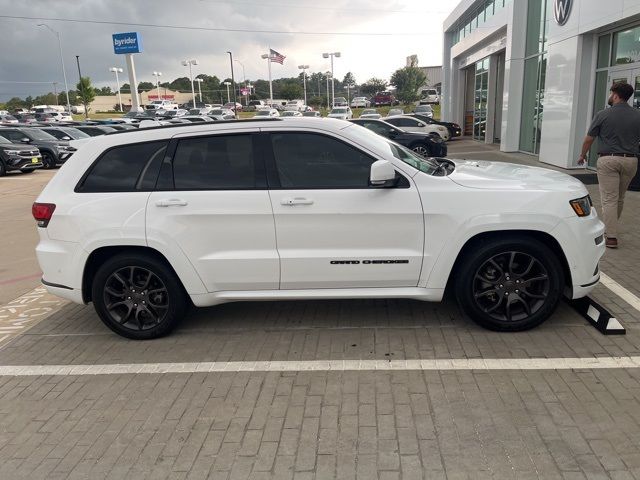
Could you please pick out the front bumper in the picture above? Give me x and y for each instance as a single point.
(582, 240)
(23, 164)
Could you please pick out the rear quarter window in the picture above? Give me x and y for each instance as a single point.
(125, 168)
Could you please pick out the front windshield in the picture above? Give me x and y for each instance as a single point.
(339, 110)
(369, 138)
(40, 135)
(263, 113)
(368, 111)
(194, 111)
(216, 112)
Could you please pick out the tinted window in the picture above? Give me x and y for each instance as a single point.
(121, 169)
(13, 135)
(402, 122)
(306, 160)
(56, 133)
(221, 162)
(379, 128)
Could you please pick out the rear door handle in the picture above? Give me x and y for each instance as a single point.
(296, 201)
(172, 202)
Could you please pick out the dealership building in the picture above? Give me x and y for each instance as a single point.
(530, 75)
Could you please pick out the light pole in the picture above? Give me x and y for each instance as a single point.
(267, 57)
(327, 75)
(188, 63)
(84, 99)
(304, 81)
(244, 80)
(117, 70)
(64, 72)
(157, 75)
(55, 91)
(333, 92)
(199, 80)
(233, 82)
(228, 97)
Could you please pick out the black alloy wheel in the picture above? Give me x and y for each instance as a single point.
(138, 296)
(509, 284)
(422, 150)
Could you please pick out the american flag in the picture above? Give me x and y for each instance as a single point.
(276, 57)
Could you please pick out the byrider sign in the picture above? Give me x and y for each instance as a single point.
(130, 42)
(561, 11)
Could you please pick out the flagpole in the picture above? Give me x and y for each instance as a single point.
(270, 83)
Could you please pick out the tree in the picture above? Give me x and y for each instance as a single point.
(86, 92)
(14, 103)
(373, 86)
(145, 86)
(291, 91)
(73, 98)
(349, 80)
(407, 81)
(103, 91)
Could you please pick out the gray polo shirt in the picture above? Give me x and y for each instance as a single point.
(617, 129)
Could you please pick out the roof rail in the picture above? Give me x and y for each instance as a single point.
(191, 124)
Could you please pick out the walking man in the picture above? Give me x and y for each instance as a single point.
(618, 132)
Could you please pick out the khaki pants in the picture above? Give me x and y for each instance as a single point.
(614, 176)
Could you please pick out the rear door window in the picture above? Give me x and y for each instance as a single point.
(218, 162)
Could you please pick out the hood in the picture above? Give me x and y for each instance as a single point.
(17, 146)
(509, 176)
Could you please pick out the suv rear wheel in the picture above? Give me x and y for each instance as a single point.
(512, 284)
(47, 160)
(138, 296)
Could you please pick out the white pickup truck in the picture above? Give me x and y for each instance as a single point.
(161, 105)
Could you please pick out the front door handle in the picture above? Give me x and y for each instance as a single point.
(172, 202)
(296, 201)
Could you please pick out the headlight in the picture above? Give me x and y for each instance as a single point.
(582, 206)
(66, 148)
(12, 152)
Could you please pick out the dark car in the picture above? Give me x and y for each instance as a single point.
(96, 130)
(25, 117)
(454, 129)
(427, 145)
(64, 133)
(20, 158)
(54, 152)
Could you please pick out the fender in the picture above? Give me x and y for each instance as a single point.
(446, 249)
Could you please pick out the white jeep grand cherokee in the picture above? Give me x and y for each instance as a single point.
(144, 223)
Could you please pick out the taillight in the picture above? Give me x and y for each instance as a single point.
(43, 212)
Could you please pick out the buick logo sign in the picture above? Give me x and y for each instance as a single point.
(561, 11)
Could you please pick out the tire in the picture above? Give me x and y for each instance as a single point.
(48, 161)
(3, 169)
(138, 296)
(521, 268)
(422, 149)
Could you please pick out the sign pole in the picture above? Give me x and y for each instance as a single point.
(133, 82)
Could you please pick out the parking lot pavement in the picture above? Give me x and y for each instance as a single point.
(388, 389)
(19, 270)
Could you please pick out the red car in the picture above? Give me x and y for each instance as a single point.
(384, 98)
(229, 105)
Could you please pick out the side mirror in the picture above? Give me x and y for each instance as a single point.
(421, 125)
(382, 174)
(25, 140)
(66, 138)
(393, 133)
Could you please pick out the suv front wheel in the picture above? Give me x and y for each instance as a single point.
(138, 296)
(512, 284)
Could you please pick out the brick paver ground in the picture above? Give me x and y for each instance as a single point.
(564, 424)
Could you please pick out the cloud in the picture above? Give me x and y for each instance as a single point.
(30, 53)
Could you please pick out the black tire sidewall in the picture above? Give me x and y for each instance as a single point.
(177, 295)
(3, 169)
(48, 161)
(474, 259)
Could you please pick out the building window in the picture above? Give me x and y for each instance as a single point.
(480, 100)
(604, 51)
(626, 46)
(477, 17)
(535, 69)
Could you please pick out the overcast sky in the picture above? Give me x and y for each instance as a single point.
(30, 53)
